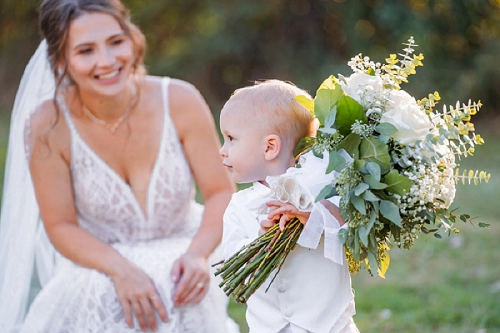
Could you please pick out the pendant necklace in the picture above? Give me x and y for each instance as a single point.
(111, 127)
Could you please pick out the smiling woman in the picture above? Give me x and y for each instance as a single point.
(113, 157)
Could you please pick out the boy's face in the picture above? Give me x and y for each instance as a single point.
(244, 142)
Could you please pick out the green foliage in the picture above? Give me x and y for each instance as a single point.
(348, 112)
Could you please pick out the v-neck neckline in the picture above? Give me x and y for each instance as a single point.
(144, 213)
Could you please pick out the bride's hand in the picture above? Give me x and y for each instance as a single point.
(138, 296)
(190, 273)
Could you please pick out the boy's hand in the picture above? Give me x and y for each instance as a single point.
(265, 225)
(284, 212)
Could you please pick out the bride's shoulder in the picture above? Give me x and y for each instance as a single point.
(178, 89)
(185, 101)
(47, 124)
(45, 114)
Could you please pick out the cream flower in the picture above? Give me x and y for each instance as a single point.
(363, 88)
(404, 113)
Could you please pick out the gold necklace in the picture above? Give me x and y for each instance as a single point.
(111, 127)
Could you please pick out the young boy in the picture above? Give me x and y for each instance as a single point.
(261, 125)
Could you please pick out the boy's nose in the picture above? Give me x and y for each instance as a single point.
(222, 152)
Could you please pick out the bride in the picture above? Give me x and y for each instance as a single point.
(113, 156)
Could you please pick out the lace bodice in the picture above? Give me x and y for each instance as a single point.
(107, 206)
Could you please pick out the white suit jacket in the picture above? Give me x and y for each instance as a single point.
(311, 291)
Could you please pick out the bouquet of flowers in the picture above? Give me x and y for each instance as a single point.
(395, 158)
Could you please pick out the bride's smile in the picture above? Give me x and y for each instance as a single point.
(99, 54)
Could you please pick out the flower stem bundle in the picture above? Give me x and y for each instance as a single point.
(249, 268)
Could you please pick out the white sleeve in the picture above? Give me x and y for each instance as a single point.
(322, 221)
(239, 229)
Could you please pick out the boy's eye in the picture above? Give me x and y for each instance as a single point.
(230, 138)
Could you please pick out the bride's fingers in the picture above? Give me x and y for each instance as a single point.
(139, 314)
(148, 313)
(197, 299)
(199, 289)
(159, 307)
(127, 311)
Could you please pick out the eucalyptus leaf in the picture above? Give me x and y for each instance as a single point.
(360, 188)
(351, 145)
(372, 260)
(327, 130)
(384, 138)
(330, 119)
(371, 222)
(390, 211)
(327, 192)
(376, 207)
(359, 204)
(373, 243)
(374, 170)
(343, 233)
(397, 183)
(359, 165)
(369, 196)
(336, 162)
(386, 129)
(374, 184)
(372, 150)
(363, 235)
(356, 245)
(396, 232)
(348, 111)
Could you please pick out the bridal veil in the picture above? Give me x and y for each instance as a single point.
(25, 251)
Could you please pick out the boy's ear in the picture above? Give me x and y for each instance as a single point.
(273, 147)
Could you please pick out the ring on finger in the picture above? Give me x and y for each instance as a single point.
(154, 297)
(200, 285)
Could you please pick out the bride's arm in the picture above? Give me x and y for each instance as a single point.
(49, 166)
(196, 129)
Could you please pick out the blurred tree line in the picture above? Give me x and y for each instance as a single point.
(225, 44)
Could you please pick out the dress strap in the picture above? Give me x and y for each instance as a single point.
(165, 83)
(65, 111)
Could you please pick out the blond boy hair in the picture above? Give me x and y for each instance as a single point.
(273, 103)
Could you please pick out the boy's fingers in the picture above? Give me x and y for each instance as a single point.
(266, 224)
(283, 220)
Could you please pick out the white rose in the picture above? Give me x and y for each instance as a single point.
(363, 88)
(404, 113)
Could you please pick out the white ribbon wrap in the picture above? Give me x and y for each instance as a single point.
(300, 187)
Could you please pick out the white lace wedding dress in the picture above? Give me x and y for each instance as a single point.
(79, 299)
